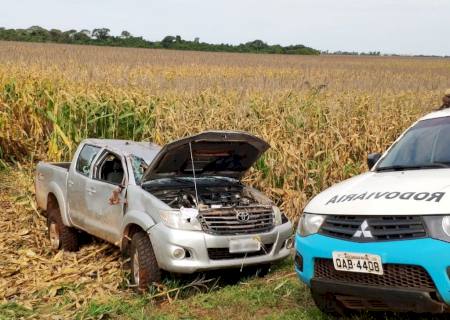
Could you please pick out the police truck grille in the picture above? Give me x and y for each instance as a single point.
(237, 220)
(377, 228)
(394, 276)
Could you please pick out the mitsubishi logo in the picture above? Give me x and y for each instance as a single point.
(243, 216)
(363, 231)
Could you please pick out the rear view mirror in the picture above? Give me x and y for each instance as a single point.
(373, 158)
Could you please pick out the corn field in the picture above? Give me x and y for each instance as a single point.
(321, 116)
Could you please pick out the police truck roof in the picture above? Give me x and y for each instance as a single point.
(437, 114)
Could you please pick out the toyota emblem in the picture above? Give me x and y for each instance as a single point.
(243, 216)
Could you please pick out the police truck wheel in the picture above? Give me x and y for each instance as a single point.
(60, 235)
(144, 267)
(328, 304)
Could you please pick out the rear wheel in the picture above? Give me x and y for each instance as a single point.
(144, 267)
(328, 304)
(60, 235)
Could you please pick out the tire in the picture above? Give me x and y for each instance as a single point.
(60, 235)
(328, 305)
(144, 266)
(263, 270)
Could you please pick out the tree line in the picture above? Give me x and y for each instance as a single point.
(102, 36)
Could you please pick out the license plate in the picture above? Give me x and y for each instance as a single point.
(244, 245)
(357, 262)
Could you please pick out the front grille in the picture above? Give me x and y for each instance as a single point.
(382, 228)
(358, 303)
(225, 221)
(395, 276)
(224, 253)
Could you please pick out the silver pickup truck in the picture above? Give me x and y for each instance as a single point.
(180, 208)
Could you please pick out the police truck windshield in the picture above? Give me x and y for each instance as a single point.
(424, 146)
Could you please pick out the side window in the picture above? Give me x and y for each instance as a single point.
(110, 169)
(85, 158)
(139, 167)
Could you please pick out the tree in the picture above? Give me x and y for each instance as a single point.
(125, 34)
(56, 35)
(38, 33)
(101, 33)
(81, 36)
(101, 36)
(257, 45)
(167, 41)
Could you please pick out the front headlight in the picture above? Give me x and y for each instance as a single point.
(277, 215)
(438, 227)
(309, 224)
(446, 225)
(183, 219)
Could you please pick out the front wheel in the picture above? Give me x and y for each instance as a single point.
(263, 270)
(144, 267)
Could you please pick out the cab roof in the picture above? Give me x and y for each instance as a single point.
(144, 150)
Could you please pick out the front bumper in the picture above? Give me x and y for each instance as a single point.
(395, 300)
(432, 255)
(197, 243)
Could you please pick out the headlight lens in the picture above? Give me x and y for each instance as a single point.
(438, 227)
(309, 224)
(277, 215)
(183, 219)
(446, 225)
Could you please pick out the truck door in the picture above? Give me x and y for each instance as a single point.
(106, 194)
(79, 173)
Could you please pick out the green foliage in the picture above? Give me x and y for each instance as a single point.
(101, 36)
(13, 310)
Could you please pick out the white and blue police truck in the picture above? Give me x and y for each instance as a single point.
(380, 241)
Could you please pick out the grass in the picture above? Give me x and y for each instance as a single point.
(277, 296)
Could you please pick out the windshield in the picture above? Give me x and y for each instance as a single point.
(139, 167)
(425, 145)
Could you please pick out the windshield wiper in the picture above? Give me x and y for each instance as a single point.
(433, 165)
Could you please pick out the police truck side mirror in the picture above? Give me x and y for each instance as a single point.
(373, 158)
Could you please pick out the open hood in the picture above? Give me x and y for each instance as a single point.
(221, 153)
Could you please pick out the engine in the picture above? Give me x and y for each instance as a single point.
(208, 197)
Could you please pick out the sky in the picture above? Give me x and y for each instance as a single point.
(389, 26)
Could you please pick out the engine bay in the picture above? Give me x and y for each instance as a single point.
(212, 192)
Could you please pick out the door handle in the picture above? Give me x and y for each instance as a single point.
(70, 183)
(91, 190)
(40, 177)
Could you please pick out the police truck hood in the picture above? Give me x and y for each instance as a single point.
(409, 192)
(219, 153)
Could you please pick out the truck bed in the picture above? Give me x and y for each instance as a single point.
(50, 173)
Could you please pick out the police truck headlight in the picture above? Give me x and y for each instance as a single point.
(183, 219)
(438, 227)
(309, 224)
(446, 225)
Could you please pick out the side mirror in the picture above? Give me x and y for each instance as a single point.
(373, 158)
